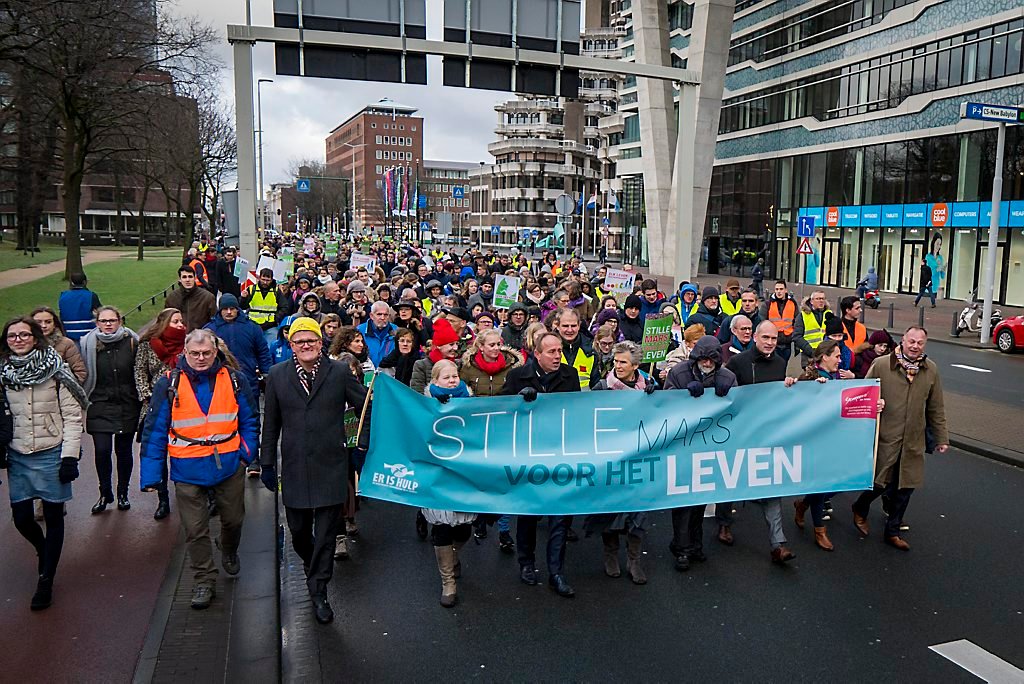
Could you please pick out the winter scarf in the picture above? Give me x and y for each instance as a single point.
(435, 355)
(615, 384)
(460, 391)
(492, 368)
(735, 343)
(825, 374)
(402, 363)
(169, 345)
(89, 344)
(38, 366)
(910, 367)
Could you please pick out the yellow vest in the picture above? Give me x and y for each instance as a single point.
(427, 304)
(263, 309)
(814, 332)
(583, 364)
(727, 307)
(693, 309)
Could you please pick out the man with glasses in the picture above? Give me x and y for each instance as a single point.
(304, 401)
(197, 305)
(202, 416)
(749, 308)
(813, 313)
(741, 337)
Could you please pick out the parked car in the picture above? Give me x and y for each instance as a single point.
(1008, 335)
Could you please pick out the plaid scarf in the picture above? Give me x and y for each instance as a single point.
(911, 368)
(38, 366)
(307, 377)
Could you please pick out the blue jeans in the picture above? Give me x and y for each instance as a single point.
(505, 523)
(926, 290)
(526, 540)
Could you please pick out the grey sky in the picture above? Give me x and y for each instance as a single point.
(298, 113)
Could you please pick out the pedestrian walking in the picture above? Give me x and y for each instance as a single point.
(114, 406)
(53, 329)
(926, 287)
(912, 391)
(303, 404)
(625, 375)
(196, 304)
(202, 418)
(43, 444)
(77, 306)
(545, 373)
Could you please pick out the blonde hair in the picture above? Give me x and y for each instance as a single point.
(481, 337)
(532, 333)
(441, 366)
(693, 333)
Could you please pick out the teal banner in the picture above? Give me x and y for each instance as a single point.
(619, 451)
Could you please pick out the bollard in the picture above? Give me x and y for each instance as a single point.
(863, 314)
(955, 329)
(920, 316)
(892, 315)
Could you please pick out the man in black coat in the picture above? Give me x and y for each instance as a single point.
(305, 399)
(759, 364)
(543, 374)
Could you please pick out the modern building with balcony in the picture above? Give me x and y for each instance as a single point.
(850, 112)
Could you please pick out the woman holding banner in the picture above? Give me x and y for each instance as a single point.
(625, 375)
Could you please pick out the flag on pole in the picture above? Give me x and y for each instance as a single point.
(613, 200)
(592, 202)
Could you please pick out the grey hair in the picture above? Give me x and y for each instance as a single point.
(737, 320)
(763, 325)
(380, 306)
(627, 347)
(201, 335)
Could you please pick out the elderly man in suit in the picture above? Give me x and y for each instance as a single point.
(305, 399)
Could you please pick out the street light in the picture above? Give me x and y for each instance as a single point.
(353, 189)
(259, 126)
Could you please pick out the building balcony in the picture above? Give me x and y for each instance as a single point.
(530, 129)
(607, 94)
(603, 53)
(519, 106)
(598, 109)
(524, 145)
(613, 123)
(603, 32)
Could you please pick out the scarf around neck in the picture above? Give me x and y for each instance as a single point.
(90, 345)
(911, 368)
(169, 345)
(615, 384)
(460, 391)
(38, 366)
(492, 368)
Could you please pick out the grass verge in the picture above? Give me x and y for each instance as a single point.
(12, 258)
(123, 283)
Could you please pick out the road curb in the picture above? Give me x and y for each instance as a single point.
(990, 451)
(146, 666)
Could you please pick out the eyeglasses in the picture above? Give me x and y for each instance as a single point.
(306, 343)
(108, 321)
(745, 328)
(201, 354)
(19, 337)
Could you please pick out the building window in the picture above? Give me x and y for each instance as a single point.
(379, 169)
(373, 125)
(378, 140)
(379, 155)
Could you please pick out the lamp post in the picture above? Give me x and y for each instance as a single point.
(259, 132)
(480, 219)
(353, 188)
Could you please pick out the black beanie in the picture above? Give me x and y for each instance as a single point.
(833, 325)
(633, 302)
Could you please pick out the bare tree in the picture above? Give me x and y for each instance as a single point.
(328, 195)
(219, 150)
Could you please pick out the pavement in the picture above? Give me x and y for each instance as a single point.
(866, 612)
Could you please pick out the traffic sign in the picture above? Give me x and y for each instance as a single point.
(991, 112)
(534, 232)
(805, 227)
(458, 192)
(805, 246)
(605, 221)
(422, 201)
(424, 225)
(495, 230)
(565, 204)
(302, 185)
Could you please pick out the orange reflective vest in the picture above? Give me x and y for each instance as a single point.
(860, 336)
(194, 434)
(199, 266)
(783, 317)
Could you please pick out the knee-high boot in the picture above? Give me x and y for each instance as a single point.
(634, 549)
(457, 546)
(446, 566)
(611, 554)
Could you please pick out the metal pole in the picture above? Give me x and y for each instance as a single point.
(993, 238)
(245, 136)
(262, 179)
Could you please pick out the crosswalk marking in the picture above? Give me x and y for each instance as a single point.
(970, 368)
(979, 662)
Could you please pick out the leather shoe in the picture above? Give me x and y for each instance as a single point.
(897, 543)
(861, 523)
(528, 575)
(123, 504)
(101, 504)
(682, 562)
(801, 511)
(322, 610)
(724, 535)
(561, 587)
(163, 509)
(782, 555)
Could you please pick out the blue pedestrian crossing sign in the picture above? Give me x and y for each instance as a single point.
(458, 192)
(805, 227)
(534, 232)
(495, 230)
(424, 225)
(605, 221)
(302, 185)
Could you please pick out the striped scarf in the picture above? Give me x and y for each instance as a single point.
(911, 368)
(38, 366)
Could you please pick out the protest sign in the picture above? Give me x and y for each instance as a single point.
(331, 249)
(618, 282)
(506, 291)
(365, 260)
(657, 336)
(266, 261)
(288, 263)
(619, 451)
(351, 423)
(241, 267)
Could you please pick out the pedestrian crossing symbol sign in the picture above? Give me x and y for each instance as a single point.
(805, 247)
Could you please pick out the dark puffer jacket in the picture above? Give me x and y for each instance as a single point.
(114, 403)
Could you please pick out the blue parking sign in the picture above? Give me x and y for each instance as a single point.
(805, 227)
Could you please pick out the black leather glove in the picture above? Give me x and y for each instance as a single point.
(268, 476)
(721, 386)
(695, 388)
(443, 398)
(68, 470)
(651, 386)
(528, 393)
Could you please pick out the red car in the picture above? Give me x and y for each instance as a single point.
(1008, 335)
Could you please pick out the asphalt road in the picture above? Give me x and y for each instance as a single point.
(984, 373)
(863, 613)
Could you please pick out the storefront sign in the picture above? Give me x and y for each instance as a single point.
(965, 214)
(871, 216)
(985, 215)
(1015, 211)
(915, 215)
(940, 214)
(610, 452)
(850, 217)
(832, 216)
(892, 215)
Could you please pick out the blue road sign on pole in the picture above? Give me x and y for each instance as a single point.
(534, 232)
(495, 230)
(458, 192)
(991, 112)
(302, 185)
(424, 225)
(605, 221)
(805, 227)
(422, 201)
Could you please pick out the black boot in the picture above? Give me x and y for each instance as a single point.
(123, 504)
(163, 509)
(421, 526)
(43, 597)
(101, 504)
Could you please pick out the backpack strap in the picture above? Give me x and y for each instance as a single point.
(174, 377)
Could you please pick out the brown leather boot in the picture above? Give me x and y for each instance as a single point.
(861, 523)
(724, 535)
(822, 540)
(634, 550)
(611, 555)
(801, 511)
(446, 567)
(898, 543)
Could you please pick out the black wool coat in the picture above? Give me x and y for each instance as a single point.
(567, 380)
(314, 459)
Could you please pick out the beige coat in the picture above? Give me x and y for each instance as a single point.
(45, 417)
(908, 408)
(68, 351)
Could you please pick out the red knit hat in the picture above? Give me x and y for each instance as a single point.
(444, 333)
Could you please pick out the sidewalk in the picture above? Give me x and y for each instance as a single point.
(20, 276)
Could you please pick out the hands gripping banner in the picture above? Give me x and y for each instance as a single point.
(619, 451)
